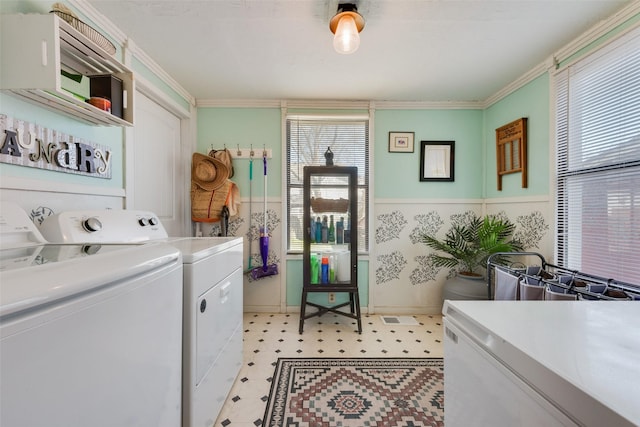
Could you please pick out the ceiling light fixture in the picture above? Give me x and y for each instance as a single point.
(346, 25)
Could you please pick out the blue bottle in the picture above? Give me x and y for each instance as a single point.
(340, 231)
(347, 231)
(312, 231)
(318, 230)
(324, 275)
(325, 229)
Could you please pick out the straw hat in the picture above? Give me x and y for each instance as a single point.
(208, 173)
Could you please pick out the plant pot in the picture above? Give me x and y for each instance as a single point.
(464, 287)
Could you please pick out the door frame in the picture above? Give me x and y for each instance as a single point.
(188, 134)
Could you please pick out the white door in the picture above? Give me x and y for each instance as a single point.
(158, 170)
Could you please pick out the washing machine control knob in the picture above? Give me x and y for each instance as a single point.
(203, 305)
(153, 221)
(91, 249)
(92, 224)
(143, 222)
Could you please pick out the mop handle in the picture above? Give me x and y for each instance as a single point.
(250, 202)
(264, 161)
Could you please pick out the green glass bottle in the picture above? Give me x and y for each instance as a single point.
(332, 231)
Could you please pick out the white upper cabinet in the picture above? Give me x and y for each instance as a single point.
(37, 48)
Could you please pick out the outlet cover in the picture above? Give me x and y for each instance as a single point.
(332, 297)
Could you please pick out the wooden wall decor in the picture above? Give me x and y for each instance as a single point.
(24, 143)
(511, 150)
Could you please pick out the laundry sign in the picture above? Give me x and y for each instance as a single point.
(28, 144)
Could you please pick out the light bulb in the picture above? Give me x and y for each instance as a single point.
(346, 39)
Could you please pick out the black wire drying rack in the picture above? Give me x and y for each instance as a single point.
(580, 282)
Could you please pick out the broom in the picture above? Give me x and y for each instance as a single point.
(265, 270)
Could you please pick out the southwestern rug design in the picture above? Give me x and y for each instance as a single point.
(356, 392)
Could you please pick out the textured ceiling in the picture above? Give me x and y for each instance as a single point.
(411, 50)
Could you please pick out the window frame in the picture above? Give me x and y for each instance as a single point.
(364, 186)
(573, 173)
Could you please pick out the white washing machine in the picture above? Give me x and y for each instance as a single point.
(90, 335)
(212, 328)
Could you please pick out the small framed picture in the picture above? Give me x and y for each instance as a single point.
(401, 142)
(437, 160)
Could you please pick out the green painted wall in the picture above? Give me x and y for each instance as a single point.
(531, 101)
(140, 69)
(109, 136)
(294, 285)
(245, 127)
(397, 175)
(597, 43)
(18, 109)
(262, 127)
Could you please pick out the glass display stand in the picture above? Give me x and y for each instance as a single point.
(330, 192)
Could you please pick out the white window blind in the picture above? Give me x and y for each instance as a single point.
(598, 162)
(308, 138)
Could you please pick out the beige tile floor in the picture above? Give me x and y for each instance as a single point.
(270, 336)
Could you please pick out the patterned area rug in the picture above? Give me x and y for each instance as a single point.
(358, 392)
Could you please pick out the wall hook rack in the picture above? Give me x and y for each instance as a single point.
(248, 153)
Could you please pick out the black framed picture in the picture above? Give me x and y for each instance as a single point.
(437, 160)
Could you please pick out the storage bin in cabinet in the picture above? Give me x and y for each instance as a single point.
(110, 87)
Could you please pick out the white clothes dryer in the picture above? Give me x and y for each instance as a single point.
(90, 334)
(213, 299)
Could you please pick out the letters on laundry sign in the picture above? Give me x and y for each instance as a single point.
(26, 144)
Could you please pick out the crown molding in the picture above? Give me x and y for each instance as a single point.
(428, 105)
(238, 103)
(593, 34)
(152, 66)
(328, 104)
(103, 23)
(598, 30)
(338, 104)
(278, 103)
(150, 90)
(527, 77)
(121, 38)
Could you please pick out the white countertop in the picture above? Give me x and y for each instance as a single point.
(197, 248)
(570, 350)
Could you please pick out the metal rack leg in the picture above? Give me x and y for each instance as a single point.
(303, 306)
(353, 303)
(356, 297)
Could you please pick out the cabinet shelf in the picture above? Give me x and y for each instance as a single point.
(318, 178)
(37, 48)
(321, 205)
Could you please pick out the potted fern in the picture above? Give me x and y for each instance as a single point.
(467, 245)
